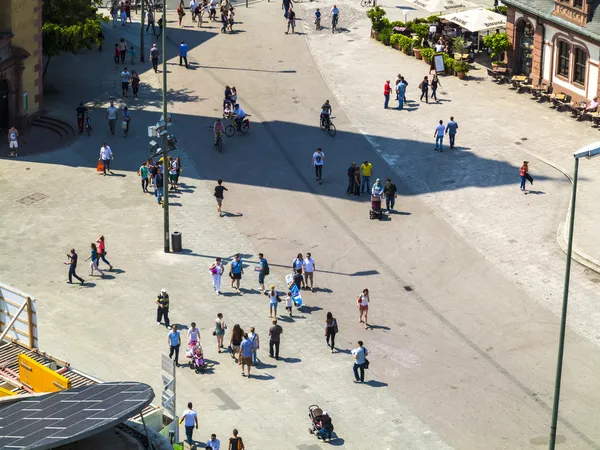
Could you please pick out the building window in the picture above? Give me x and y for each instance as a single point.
(578, 4)
(563, 59)
(580, 66)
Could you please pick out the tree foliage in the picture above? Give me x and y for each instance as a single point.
(498, 43)
(69, 26)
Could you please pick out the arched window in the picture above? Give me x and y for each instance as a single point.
(525, 45)
(564, 55)
(579, 65)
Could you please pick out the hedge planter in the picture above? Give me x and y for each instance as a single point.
(396, 46)
(417, 52)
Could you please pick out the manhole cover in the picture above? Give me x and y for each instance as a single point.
(408, 288)
(33, 198)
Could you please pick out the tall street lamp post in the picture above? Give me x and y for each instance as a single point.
(586, 152)
(142, 16)
(165, 144)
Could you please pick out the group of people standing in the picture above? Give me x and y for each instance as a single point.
(151, 174)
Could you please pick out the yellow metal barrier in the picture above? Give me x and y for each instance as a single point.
(6, 392)
(39, 378)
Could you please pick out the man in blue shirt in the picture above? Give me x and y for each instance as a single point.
(183, 50)
(451, 128)
(401, 89)
(236, 270)
(245, 355)
(174, 340)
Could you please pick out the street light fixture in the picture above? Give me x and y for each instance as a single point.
(587, 152)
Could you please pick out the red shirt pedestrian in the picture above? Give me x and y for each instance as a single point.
(387, 89)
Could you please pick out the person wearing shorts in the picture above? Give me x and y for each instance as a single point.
(236, 270)
(13, 143)
(363, 305)
(308, 265)
(245, 356)
(219, 189)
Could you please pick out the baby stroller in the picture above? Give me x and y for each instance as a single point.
(196, 357)
(227, 108)
(375, 212)
(322, 427)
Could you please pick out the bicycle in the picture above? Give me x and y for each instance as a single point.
(234, 126)
(364, 3)
(327, 124)
(219, 141)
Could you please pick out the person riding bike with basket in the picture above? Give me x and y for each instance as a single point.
(238, 115)
(326, 111)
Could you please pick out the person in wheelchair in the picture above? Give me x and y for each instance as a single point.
(238, 115)
(325, 113)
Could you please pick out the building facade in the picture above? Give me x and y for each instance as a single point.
(20, 61)
(556, 42)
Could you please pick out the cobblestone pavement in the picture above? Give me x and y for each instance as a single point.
(465, 359)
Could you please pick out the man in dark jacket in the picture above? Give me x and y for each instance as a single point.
(391, 192)
(325, 426)
(351, 171)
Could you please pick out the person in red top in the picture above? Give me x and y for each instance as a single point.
(102, 251)
(523, 173)
(117, 54)
(387, 90)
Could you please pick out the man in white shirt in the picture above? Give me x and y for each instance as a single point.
(360, 362)
(125, 77)
(438, 134)
(214, 443)
(13, 142)
(111, 116)
(193, 5)
(317, 162)
(308, 266)
(106, 155)
(191, 418)
(238, 114)
(439, 47)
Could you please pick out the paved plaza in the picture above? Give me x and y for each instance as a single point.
(465, 280)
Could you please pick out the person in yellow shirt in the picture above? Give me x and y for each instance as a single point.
(366, 169)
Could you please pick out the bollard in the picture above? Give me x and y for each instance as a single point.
(176, 242)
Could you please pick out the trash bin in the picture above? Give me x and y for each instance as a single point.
(176, 242)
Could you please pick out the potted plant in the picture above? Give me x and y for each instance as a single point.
(395, 41)
(416, 45)
(385, 35)
(407, 46)
(427, 54)
(461, 68)
(498, 63)
(377, 16)
(458, 44)
(498, 43)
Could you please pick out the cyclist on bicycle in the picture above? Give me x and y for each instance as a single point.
(325, 112)
(238, 115)
(335, 14)
(218, 128)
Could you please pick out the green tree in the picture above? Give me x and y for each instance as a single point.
(69, 26)
(497, 43)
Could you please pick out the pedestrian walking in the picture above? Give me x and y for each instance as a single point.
(331, 329)
(317, 162)
(298, 278)
(159, 182)
(125, 120)
(435, 82)
(237, 334)
(297, 264)
(80, 110)
(360, 362)
(162, 311)
(216, 269)
(122, 49)
(128, 11)
(387, 90)
(263, 270)
(219, 332)
(401, 90)
(193, 6)
(143, 173)
(159, 26)
(424, 86)
(114, 13)
(135, 83)
(391, 193)
(236, 269)
(523, 171)
(253, 336)
(235, 442)
(180, 14)
(111, 116)
(219, 190)
(273, 300)
(289, 301)
(102, 251)
(183, 51)
(275, 339)
(350, 173)
(190, 416)
(438, 134)
(193, 335)
(94, 261)
(132, 55)
(309, 267)
(245, 355)
(213, 443)
(154, 55)
(213, 10)
(174, 339)
(291, 21)
(123, 15)
(451, 128)
(106, 155)
(357, 182)
(362, 302)
(125, 77)
(150, 22)
(178, 169)
(286, 5)
(117, 54)
(13, 142)
(366, 169)
(72, 263)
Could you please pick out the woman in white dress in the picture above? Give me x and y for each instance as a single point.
(216, 269)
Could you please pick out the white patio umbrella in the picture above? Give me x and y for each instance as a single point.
(479, 19)
(443, 6)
